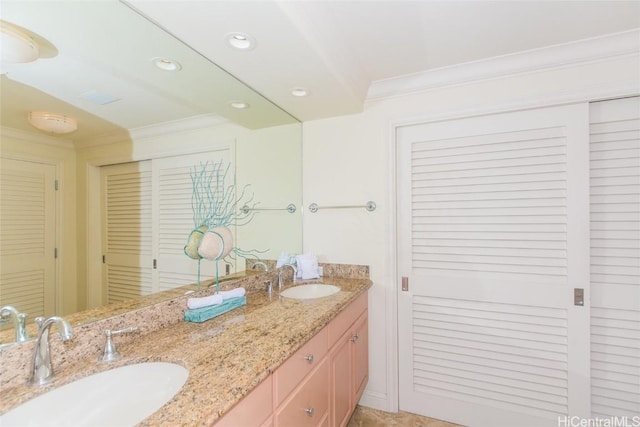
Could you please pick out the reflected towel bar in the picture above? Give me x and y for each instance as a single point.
(370, 206)
(291, 208)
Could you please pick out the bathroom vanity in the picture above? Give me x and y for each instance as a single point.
(319, 385)
(277, 360)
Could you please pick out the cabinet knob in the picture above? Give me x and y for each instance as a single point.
(309, 358)
(355, 338)
(309, 411)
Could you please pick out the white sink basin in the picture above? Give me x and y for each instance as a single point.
(119, 397)
(316, 290)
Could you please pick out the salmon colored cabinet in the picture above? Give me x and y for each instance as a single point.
(319, 385)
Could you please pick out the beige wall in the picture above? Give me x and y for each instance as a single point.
(32, 146)
(350, 160)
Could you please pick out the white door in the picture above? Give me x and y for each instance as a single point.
(27, 237)
(493, 238)
(128, 262)
(615, 259)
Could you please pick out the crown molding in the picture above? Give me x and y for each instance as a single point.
(557, 56)
(34, 137)
(153, 131)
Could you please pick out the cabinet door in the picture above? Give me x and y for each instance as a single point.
(341, 380)
(360, 357)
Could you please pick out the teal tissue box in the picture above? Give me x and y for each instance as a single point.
(202, 314)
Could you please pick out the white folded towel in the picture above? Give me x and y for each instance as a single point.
(215, 299)
(307, 266)
(233, 293)
(285, 259)
(204, 301)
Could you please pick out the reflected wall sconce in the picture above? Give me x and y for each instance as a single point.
(52, 122)
(17, 45)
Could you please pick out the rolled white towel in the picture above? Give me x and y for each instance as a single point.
(233, 293)
(204, 301)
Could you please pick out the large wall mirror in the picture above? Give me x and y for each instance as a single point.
(144, 103)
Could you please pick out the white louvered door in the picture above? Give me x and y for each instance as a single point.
(615, 259)
(126, 190)
(493, 237)
(27, 236)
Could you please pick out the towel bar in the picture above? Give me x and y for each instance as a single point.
(370, 206)
(291, 208)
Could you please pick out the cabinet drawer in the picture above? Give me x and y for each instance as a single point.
(344, 320)
(309, 403)
(303, 361)
(254, 409)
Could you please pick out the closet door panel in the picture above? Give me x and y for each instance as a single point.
(493, 239)
(615, 257)
(127, 261)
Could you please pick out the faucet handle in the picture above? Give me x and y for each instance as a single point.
(110, 352)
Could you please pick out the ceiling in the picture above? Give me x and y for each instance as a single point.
(337, 50)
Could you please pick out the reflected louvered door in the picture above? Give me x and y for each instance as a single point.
(173, 221)
(27, 236)
(126, 190)
(615, 258)
(493, 237)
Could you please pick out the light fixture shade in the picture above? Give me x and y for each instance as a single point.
(53, 123)
(17, 46)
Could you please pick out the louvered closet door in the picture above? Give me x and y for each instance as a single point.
(493, 237)
(615, 258)
(27, 237)
(126, 190)
(173, 221)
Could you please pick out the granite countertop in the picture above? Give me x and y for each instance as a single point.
(227, 356)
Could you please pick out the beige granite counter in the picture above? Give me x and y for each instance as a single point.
(227, 356)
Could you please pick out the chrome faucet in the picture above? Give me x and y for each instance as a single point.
(259, 264)
(41, 368)
(18, 322)
(110, 353)
(295, 273)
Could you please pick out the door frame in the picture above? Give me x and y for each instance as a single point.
(611, 91)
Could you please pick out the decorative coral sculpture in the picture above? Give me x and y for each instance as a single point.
(216, 209)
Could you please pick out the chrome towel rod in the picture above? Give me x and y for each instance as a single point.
(291, 208)
(370, 206)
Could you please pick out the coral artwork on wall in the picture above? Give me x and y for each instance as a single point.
(217, 208)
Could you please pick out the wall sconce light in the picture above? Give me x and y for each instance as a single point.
(52, 123)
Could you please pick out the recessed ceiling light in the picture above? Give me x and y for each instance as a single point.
(241, 41)
(299, 91)
(240, 105)
(166, 64)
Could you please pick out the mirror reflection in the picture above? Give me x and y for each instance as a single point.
(102, 213)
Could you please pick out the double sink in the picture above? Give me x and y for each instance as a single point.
(125, 395)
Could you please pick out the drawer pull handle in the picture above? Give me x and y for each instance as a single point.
(309, 358)
(355, 338)
(309, 411)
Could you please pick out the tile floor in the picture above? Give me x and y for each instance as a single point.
(367, 417)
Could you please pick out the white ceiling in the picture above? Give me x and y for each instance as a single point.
(337, 49)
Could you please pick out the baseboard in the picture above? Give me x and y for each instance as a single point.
(374, 400)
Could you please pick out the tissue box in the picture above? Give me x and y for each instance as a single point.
(202, 314)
